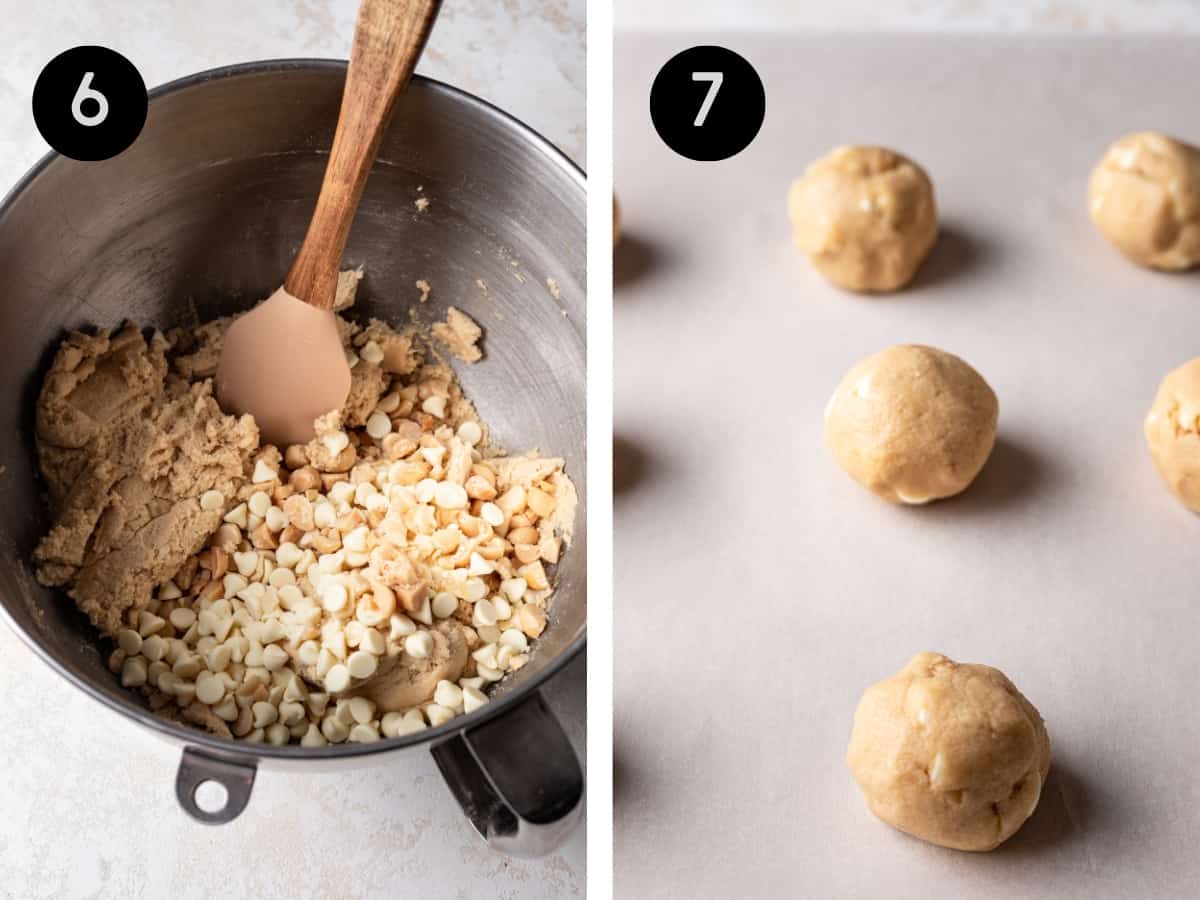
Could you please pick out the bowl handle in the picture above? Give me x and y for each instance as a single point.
(236, 776)
(517, 779)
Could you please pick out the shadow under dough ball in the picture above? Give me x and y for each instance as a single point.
(951, 753)
(912, 424)
(1144, 197)
(1173, 433)
(865, 216)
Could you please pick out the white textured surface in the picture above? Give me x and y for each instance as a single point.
(913, 15)
(526, 56)
(777, 589)
(87, 800)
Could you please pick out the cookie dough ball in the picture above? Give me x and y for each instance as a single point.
(1173, 433)
(865, 216)
(1144, 196)
(912, 424)
(949, 752)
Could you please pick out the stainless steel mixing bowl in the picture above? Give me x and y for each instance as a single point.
(201, 217)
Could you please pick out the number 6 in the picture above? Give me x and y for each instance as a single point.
(85, 92)
(716, 78)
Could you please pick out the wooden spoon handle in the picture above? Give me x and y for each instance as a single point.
(388, 38)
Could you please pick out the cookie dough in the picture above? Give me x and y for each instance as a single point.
(460, 334)
(372, 582)
(1144, 196)
(127, 450)
(951, 753)
(865, 216)
(912, 424)
(1172, 430)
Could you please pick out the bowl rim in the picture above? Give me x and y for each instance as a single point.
(240, 750)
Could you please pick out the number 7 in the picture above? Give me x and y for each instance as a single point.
(716, 78)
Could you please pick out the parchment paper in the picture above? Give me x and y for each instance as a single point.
(759, 590)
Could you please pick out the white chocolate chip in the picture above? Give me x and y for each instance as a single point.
(308, 653)
(504, 609)
(149, 624)
(226, 710)
(371, 352)
(274, 657)
(362, 664)
(133, 672)
(411, 722)
(513, 588)
(470, 433)
(313, 737)
(379, 425)
(263, 473)
(129, 641)
(449, 495)
(363, 734)
(211, 501)
(337, 679)
(485, 655)
(275, 519)
(425, 490)
(264, 713)
(324, 515)
(334, 597)
(473, 698)
(335, 442)
(418, 645)
(154, 648)
(291, 712)
(390, 723)
(246, 562)
(444, 604)
(487, 673)
(210, 688)
(374, 642)
(401, 626)
(334, 731)
(277, 734)
(288, 555)
(361, 710)
(515, 638)
(484, 613)
(219, 658)
(448, 694)
(435, 406)
(259, 503)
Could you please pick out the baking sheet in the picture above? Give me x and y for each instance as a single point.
(759, 590)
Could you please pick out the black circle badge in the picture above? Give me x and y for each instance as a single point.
(707, 103)
(89, 103)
